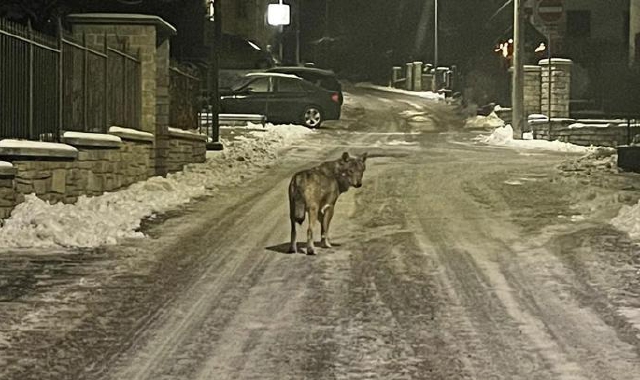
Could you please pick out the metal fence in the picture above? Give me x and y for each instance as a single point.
(28, 82)
(184, 92)
(49, 85)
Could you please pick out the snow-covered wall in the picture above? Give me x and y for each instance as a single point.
(585, 132)
(89, 164)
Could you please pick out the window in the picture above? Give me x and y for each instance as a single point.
(259, 85)
(289, 85)
(579, 24)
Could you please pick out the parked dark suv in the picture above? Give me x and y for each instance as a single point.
(282, 98)
(237, 53)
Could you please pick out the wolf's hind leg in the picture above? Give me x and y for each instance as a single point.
(312, 218)
(294, 246)
(327, 214)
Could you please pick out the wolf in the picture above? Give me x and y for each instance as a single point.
(313, 193)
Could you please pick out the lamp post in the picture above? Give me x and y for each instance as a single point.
(279, 15)
(517, 87)
(435, 34)
(214, 17)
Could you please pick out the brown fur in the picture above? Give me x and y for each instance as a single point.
(313, 193)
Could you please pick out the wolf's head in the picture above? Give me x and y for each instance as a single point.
(351, 170)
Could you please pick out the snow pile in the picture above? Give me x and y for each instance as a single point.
(484, 122)
(421, 94)
(111, 217)
(503, 136)
(628, 220)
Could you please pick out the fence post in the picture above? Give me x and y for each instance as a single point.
(138, 99)
(105, 98)
(85, 72)
(60, 79)
(31, 58)
(124, 82)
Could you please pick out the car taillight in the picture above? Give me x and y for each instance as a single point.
(335, 97)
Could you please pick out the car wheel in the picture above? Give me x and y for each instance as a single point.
(312, 117)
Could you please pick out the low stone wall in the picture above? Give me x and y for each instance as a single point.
(87, 164)
(185, 147)
(585, 133)
(8, 195)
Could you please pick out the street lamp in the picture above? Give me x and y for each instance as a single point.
(279, 15)
(213, 42)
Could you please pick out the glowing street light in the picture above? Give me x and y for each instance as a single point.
(278, 14)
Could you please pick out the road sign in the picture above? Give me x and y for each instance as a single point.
(550, 11)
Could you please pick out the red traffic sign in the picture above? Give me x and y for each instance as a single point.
(550, 11)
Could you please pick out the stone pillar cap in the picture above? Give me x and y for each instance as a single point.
(162, 26)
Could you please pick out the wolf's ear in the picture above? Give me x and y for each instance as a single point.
(345, 156)
(364, 156)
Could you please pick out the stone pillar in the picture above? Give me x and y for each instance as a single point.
(532, 88)
(417, 76)
(409, 75)
(150, 36)
(556, 77)
(396, 73)
(162, 143)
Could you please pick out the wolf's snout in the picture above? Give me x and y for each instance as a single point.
(358, 185)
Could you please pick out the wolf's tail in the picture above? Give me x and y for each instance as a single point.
(296, 199)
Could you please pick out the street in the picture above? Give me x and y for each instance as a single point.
(455, 260)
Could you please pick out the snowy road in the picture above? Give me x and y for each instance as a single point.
(453, 261)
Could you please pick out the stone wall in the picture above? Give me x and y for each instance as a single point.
(185, 147)
(62, 172)
(611, 134)
(8, 195)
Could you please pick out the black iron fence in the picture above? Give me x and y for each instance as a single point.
(28, 82)
(184, 92)
(49, 85)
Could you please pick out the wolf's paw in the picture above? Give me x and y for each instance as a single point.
(325, 244)
(311, 252)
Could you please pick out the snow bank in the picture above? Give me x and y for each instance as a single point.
(503, 136)
(111, 217)
(484, 122)
(628, 220)
(421, 94)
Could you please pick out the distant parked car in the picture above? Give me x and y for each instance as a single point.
(239, 53)
(282, 98)
(320, 77)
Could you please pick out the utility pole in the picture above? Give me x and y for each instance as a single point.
(435, 34)
(517, 88)
(214, 70)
